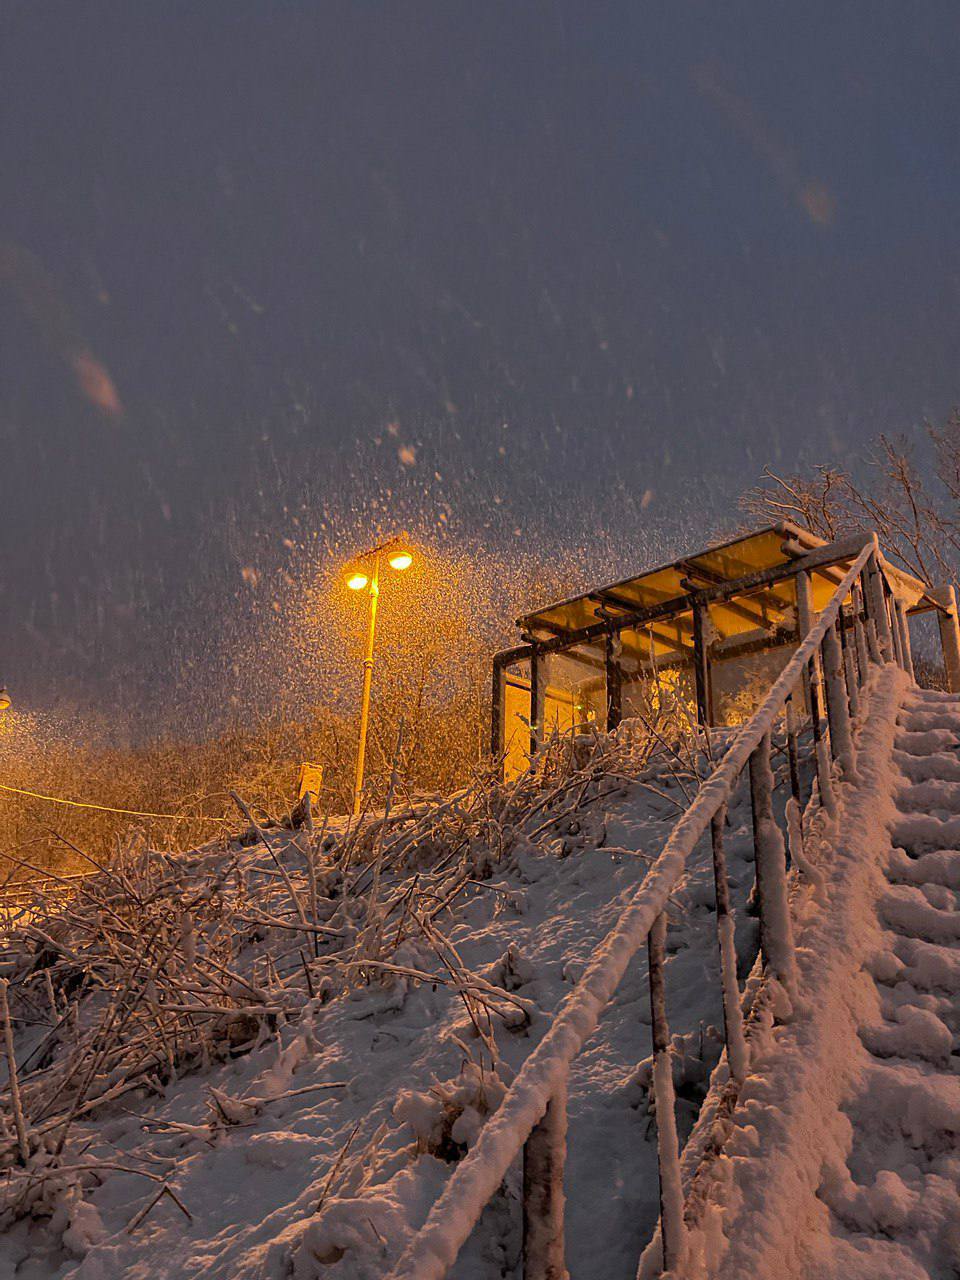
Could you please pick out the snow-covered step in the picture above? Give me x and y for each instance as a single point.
(939, 866)
(933, 795)
(908, 909)
(926, 1102)
(938, 764)
(932, 696)
(929, 721)
(921, 832)
(923, 742)
(925, 965)
(910, 1031)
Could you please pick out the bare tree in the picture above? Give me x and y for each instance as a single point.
(918, 519)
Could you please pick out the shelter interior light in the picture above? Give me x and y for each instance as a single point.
(357, 581)
(401, 560)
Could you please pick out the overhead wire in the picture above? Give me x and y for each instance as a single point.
(107, 808)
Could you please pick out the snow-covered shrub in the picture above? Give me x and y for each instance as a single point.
(446, 1118)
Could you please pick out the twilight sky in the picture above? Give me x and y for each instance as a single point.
(501, 272)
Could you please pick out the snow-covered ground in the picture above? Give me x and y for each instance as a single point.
(317, 1148)
(844, 1163)
(319, 1151)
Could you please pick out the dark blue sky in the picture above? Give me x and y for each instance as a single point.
(259, 260)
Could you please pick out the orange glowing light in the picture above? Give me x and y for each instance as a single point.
(4, 700)
(401, 560)
(357, 581)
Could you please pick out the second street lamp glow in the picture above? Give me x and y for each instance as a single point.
(402, 560)
(357, 581)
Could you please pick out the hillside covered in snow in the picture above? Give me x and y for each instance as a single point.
(265, 1059)
(298, 1035)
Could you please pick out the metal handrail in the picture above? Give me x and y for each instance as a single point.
(532, 1116)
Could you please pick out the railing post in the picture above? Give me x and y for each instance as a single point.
(544, 1154)
(793, 755)
(672, 1228)
(737, 1057)
(804, 623)
(891, 602)
(903, 627)
(949, 634)
(776, 928)
(878, 608)
(849, 664)
(863, 658)
(814, 692)
(838, 711)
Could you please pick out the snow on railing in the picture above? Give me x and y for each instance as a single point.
(532, 1116)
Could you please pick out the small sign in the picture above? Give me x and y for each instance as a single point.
(310, 779)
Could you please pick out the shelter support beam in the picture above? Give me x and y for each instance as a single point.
(537, 681)
(701, 664)
(614, 684)
(497, 707)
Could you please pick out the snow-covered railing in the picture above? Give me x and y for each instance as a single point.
(825, 675)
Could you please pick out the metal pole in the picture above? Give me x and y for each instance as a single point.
(367, 680)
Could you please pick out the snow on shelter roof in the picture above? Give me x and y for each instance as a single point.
(767, 611)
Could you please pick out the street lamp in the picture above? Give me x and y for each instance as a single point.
(4, 700)
(364, 574)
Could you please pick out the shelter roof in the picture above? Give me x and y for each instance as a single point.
(758, 610)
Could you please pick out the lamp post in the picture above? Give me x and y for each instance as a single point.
(364, 574)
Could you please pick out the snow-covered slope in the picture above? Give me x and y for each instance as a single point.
(845, 1160)
(319, 1150)
(308, 1135)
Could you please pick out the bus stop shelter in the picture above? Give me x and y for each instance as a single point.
(715, 628)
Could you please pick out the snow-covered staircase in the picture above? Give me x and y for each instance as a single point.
(844, 1158)
(901, 1206)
